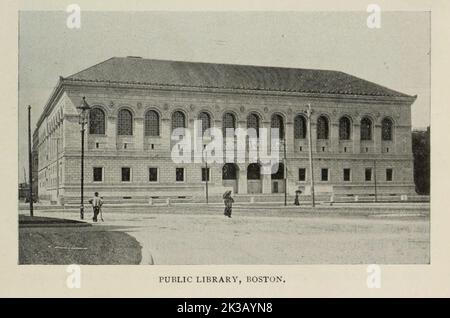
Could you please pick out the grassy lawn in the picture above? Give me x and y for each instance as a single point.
(76, 245)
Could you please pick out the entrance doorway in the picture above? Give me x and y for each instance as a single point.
(254, 182)
(278, 179)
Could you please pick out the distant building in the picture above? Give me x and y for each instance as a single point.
(360, 130)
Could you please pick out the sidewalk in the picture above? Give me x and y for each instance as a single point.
(249, 205)
(278, 210)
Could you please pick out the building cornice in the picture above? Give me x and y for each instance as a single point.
(57, 91)
(365, 98)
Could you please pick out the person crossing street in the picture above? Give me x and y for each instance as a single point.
(97, 203)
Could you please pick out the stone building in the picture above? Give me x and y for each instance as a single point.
(361, 131)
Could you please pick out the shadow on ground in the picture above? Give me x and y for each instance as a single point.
(53, 241)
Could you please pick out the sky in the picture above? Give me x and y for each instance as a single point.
(395, 55)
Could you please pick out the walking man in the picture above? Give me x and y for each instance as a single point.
(96, 205)
(228, 201)
(297, 200)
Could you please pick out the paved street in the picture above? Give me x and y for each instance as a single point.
(200, 235)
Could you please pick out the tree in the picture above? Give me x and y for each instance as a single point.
(421, 153)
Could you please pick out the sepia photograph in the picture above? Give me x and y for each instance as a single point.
(224, 138)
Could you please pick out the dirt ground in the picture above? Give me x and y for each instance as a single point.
(252, 238)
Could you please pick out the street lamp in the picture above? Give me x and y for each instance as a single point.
(205, 153)
(308, 113)
(57, 139)
(285, 170)
(83, 116)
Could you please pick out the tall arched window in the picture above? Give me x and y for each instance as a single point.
(125, 123)
(279, 174)
(253, 122)
(299, 127)
(228, 121)
(206, 121)
(151, 123)
(229, 171)
(386, 129)
(254, 171)
(322, 127)
(178, 120)
(344, 128)
(366, 129)
(277, 122)
(97, 122)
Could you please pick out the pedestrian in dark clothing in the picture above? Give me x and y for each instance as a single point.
(297, 200)
(96, 205)
(228, 201)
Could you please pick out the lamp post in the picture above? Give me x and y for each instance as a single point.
(206, 172)
(285, 170)
(375, 178)
(30, 163)
(83, 112)
(311, 168)
(57, 139)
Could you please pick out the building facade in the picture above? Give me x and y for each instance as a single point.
(360, 131)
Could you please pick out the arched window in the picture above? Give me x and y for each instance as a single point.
(366, 129)
(344, 128)
(228, 121)
(299, 127)
(178, 120)
(279, 174)
(151, 123)
(277, 122)
(125, 123)
(229, 171)
(254, 171)
(386, 129)
(206, 121)
(253, 122)
(97, 122)
(322, 127)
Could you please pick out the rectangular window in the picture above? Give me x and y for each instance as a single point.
(205, 174)
(368, 174)
(324, 174)
(301, 174)
(153, 174)
(179, 174)
(389, 174)
(346, 174)
(97, 174)
(126, 174)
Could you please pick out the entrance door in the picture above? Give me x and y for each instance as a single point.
(274, 187)
(278, 179)
(254, 182)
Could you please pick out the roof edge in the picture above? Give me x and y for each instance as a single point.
(51, 99)
(78, 82)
